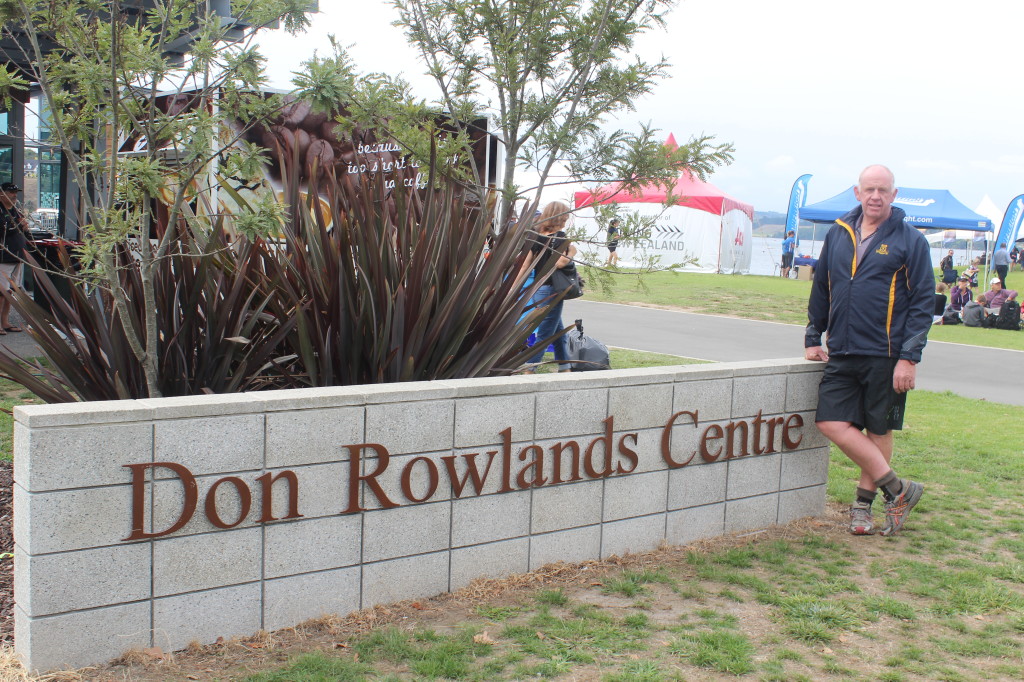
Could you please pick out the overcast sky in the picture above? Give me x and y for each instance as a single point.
(931, 88)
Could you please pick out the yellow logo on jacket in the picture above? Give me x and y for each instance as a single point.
(883, 250)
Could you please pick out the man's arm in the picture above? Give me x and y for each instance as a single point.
(921, 282)
(817, 308)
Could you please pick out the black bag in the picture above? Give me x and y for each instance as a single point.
(567, 278)
(1008, 317)
(586, 353)
(949, 276)
(950, 316)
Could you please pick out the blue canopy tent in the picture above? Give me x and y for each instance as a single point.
(926, 208)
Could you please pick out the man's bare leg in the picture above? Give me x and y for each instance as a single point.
(863, 450)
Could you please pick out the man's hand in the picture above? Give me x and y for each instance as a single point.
(903, 376)
(815, 353)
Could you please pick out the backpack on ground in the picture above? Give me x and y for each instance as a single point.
(950, 316)
(586, 353)
(1008, 317)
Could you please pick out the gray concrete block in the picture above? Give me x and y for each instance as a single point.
(493, 386)
(323, 397)
(696, 523)
(312, 436)
(74, 414)
(710, 398)
(811, 436)
(68, 581)
(390, 581)
(479, 421)
(204, 616)
(635, 495)
(802, 391)
(477, 520)
(563, 414)
(640, 407)
(751, 513)
(81, 638)
(210, 445)
(694, 486)
(295, 599)
(71, 519)
(566, 506)
(418, 426)
(322, 491)
(753, 394)
(493, 560)
(317, 544)
(647, 446)
(165, 505)
(689, 438)
(408, 391)
(425, 475)
(192, 406)
(804, 468)
(802, 502)
(749, 476)
(632, 535)
(201, 562)
(403, 531)
(81, 456)
(570, 546)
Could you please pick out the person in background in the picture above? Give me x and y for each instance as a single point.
(788, 247)
(872, 295)
(972, 273)
(14, 234)
(1014, 257)
(613, 242)
(1001, 262)
(549, 241)
(947, 261)
(994, 298)
(940, 302)
(961, 294)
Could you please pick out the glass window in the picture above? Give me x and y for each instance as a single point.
(3, 123)
(6, 163)
(49, 178)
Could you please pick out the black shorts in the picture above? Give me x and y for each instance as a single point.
(858, 389)
(787, 260)
(612, 246)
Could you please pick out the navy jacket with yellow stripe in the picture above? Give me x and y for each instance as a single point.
(880, 306)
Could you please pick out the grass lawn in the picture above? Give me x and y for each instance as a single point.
(758, 298)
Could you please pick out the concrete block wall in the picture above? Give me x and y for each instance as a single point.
(85, 593)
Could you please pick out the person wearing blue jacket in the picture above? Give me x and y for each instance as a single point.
(871, 298)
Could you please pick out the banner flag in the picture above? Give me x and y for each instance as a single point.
(1010, 227)
(797, 200)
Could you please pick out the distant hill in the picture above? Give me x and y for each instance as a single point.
(773, 224)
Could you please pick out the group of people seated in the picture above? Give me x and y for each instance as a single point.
(962, 306)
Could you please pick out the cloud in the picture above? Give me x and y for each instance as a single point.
(1005, 164)
(783, 161)
(932, 164)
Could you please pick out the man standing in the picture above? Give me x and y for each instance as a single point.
(872, 295)
(788, 247)
(1001, 261)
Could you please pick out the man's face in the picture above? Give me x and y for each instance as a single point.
(8, 198)
(951, 252)
(996, 287)
(875, 192)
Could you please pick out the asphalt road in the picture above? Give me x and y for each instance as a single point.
(989, 373)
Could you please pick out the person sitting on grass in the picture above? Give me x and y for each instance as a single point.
(961, 295)
(940, 302)
(997, 295)
(974, 314)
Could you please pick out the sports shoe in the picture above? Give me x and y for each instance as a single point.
(896, 510)
(860, 519)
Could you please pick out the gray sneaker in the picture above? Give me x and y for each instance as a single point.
(899, 507)
(860, 519)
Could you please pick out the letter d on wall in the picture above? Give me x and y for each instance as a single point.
(188, 507)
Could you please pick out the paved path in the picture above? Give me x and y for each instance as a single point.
(975, 372)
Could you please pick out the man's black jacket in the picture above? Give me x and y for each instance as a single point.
(880, 306)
